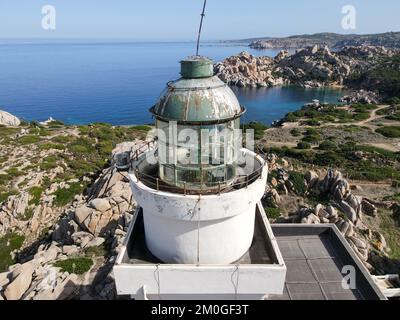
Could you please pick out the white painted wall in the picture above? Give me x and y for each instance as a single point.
(212, 229)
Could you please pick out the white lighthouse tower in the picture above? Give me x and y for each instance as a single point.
(199, 205)
(199, 223)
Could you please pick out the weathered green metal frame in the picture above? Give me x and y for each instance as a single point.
(199, 123)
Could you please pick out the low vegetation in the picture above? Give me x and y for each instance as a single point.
(313, 115)
(389, 132)
(63, 196)
(9, 243)
(78, 265)
(259, 129)
(272, 213)
(358, 161)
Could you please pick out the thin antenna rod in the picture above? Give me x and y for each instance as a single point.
(201, 26)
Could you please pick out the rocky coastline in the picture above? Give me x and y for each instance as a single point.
(65, 208)
(332, 40)
(310, 67)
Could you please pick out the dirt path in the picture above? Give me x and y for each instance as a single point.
(373, 117)
(363, 123)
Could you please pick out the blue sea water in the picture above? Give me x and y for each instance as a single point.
(117, 82)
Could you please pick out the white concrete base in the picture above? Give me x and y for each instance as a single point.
(189, 281)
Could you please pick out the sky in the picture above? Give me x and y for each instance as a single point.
(178, 20)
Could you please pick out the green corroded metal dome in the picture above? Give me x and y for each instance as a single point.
(197, 97)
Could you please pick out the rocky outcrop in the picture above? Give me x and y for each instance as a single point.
(309, 67)
(345, 210)
(101, 215)
(332, 40)
(361, 96)
(98, 220)
(7, 119)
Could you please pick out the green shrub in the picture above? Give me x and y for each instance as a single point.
(142, 128)
(82, 146)
(327, 145)
(64, 196)
(28, 214)
(259, 129)
(395, 116)
(303, 145)
(62, 139)
(75, 265)
(29, 139)
(295, 132)
(361, 116)
(363, 108)
(329, 158)
(314, 139)
(84, 130)
(14, 172)
(49, 146)
(9, 243)
(273, 213)
(298, 179)
(49, 163)
(105, 148)
(312, 123)
(35, 193)
(291, 117)
(385, 111)
(56, 124)
(389, 132)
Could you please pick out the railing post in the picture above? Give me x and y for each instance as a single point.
(184, 188)
(219, 188)
(158, 184)
(247, 181)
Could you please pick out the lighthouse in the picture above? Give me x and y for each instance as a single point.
(199, 224)
(198, 201)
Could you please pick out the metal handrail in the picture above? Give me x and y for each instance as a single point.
(241, 181)
(137, 153)
(155, 182)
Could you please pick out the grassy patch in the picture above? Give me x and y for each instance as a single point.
(5, 193)
(14, 172)
(389, 132)
(394, 197)
(82, 146)
(142, 128)
(35, 193)
(65, 195)
(295, 132)
(29, 139)
(28, 214)
(49, 163)
(49, 146)
(391, 232)
(9, 243)
(259, 129)
(62, 139)
(303, 145)
(272, 213)
(75, 265)
(327, 145)
(297, 179)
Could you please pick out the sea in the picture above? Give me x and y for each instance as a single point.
(87, 81)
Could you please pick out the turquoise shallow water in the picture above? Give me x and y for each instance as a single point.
(117, 82)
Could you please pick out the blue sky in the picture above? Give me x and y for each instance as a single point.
(178, 19)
